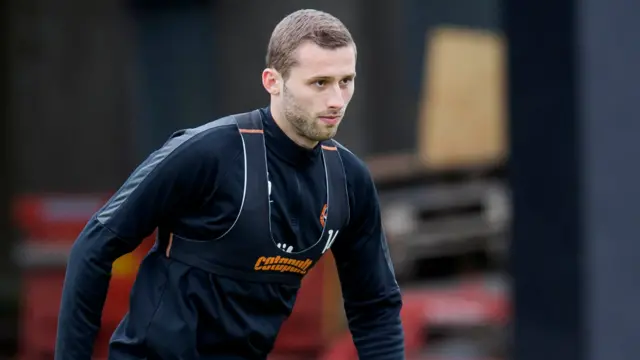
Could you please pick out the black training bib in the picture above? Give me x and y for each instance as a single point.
(248, 250)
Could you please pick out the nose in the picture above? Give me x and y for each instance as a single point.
(336, 99)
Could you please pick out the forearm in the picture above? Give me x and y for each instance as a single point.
(376, 327)
(84, 292)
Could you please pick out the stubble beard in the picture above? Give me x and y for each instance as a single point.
(305, 125)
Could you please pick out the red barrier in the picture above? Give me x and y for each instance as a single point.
(49, 225)
(467, 304)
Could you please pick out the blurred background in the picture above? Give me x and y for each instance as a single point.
(90, 88)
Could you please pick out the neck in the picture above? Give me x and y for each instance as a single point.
(288, 129)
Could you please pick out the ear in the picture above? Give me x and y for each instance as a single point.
(272, 81)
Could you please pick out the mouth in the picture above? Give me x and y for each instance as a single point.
(330, 120)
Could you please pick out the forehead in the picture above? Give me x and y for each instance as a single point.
(315, 61)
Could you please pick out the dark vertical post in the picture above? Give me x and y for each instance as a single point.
(574, 85)
(545, 175)
(9, 280)
(610, 91)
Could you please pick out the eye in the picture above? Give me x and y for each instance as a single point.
(320, 83)
(345, 82)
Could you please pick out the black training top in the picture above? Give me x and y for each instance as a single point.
(242, 214)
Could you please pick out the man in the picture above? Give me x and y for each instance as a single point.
(244, 207)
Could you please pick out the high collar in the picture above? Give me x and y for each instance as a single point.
(282, 146)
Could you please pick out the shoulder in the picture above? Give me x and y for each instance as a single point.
(359, 180)
(215, 135)
(214, 140)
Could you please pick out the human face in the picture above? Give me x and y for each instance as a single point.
(317, 91)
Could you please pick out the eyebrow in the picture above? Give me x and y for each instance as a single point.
(326, 77)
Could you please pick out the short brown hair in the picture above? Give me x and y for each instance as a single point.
(321, 28)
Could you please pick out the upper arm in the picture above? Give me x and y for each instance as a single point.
(169, 181)
(361, 252)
